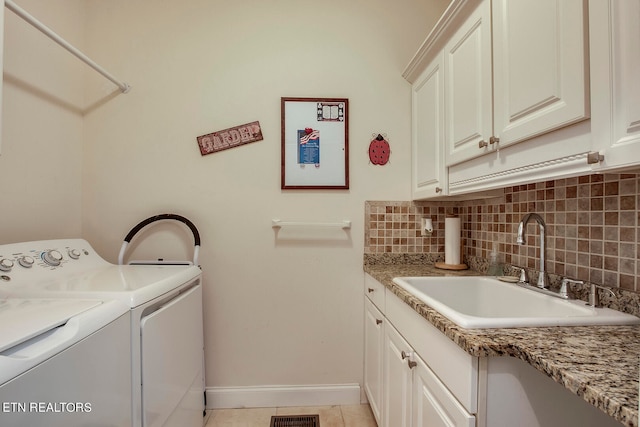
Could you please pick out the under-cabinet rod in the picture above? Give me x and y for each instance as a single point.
(124, 87)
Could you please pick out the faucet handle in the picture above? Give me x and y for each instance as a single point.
(524, 277)
(594, 296)
(565, 284)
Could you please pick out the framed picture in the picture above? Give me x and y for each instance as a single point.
(315, 143)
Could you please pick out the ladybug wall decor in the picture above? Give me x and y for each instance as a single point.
(379, 150)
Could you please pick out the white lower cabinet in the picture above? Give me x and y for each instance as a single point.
(373, 344)
(397, 375)
(403, 391)
(417, 377)
(413, 395)
(433, 405)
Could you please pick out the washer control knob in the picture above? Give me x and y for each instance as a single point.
(74, 253)
(26, 261)
(6, 264)
(52, 257)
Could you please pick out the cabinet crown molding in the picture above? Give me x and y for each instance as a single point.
(430, 46)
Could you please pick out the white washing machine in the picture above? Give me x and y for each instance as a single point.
(165, 316)
(64, 362)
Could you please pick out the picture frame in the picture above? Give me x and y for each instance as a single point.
(315, 143)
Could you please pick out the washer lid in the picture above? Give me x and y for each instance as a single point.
(134, 285)
(23, 319)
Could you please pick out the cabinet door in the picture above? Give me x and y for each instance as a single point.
(468, 87)
(433, 404)
(540, 67)
(429, 172)
(397, 374)
(373, 342)
(615, 61)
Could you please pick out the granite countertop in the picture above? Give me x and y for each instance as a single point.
(598, 363)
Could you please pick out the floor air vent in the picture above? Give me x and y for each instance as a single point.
(295, 421)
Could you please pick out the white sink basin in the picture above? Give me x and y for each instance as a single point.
(485, 302)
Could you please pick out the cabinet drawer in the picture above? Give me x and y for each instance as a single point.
(453, 366)
(374, 290)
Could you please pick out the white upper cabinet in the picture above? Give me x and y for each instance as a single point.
(514, 70)
(468, 87)
(540, 68)
(429, 174)
(516, 96)
(615, 64)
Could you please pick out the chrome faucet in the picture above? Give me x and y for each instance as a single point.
(543, 280)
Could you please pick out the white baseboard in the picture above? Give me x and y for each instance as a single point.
(279, 396)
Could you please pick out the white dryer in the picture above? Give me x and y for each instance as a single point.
(64, 363)
(165, 316)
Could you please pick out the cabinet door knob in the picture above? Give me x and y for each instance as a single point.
(438, 190)
(378, 321)
(482, 144)
(494, 140)
(404, 354)
(370, 290)
(412, 364)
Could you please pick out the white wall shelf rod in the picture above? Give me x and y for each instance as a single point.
(124, 87)
(276, 223)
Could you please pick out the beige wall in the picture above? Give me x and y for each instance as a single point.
(80, 159)
(277, 311)
(41, 149)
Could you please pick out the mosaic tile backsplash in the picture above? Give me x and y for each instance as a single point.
(592, 227)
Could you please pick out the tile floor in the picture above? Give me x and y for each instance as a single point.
(330, 416)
